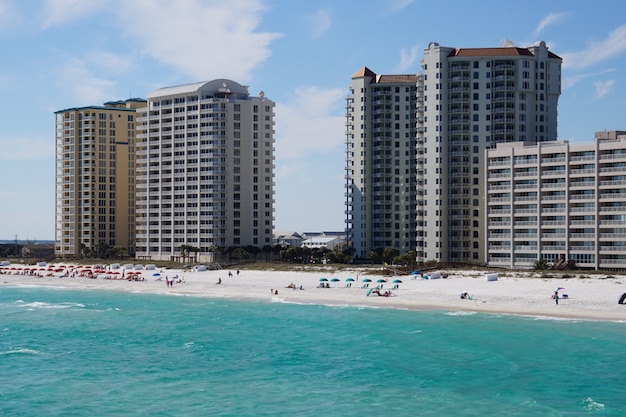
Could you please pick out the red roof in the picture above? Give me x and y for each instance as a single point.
(505, 51)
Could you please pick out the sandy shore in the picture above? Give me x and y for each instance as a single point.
(592, 297)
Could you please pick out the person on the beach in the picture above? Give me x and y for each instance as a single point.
(219, 281)
(275, 292)
(237, 272)
(230, 274)
(556, 297)
(167, 282)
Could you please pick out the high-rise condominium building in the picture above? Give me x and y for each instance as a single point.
(415, 145)
(205, 170)
(559, 203)
(381, 162)
(470, 100)
(95, 171)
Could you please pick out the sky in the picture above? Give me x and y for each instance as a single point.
(58, 54)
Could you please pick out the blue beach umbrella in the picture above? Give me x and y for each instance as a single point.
(349, 279)
(397, 281)
(381, 280)
(323, 279)
(335, 280)
(367, 280)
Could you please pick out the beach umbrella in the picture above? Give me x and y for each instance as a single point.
(323, 279)
(349, 279)
(156, 274)
(559, 289)
(397, 281)
(367, 280)
(335, 280)
(381, 280)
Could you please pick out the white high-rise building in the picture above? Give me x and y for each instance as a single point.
(205, 170)
(415, 145)
(559, 203)
(470, 100)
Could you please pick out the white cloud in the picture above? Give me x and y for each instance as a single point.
(572, 80)
(549, 20)
(408, 58)
(87, 87)
(16, 148)
(109, 62)
(205, 40)
(396, 5)
(603, 88)
(309, 123)
(596, 52)
(60, 12)
(320, 21)
(9, 16)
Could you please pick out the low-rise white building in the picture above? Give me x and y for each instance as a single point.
(329, 242)
(287, 239)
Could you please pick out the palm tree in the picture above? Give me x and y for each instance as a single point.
(542, 264)
(185, 251)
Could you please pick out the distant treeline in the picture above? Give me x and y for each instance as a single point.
(25, 242)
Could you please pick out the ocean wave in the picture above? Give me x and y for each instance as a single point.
(460, 313)
(39, 304)
(20, 351)
(591, 405)
(554, 318)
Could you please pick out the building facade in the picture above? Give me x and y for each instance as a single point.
(380, 162)
(205, 170)
(468, 100)
(95, 172)
(558, 202)
(415, 145)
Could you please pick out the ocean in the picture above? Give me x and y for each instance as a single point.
(93, 353)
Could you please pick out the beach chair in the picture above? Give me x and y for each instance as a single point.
(395, 287)
(366, 285)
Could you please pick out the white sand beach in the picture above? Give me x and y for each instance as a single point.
(583, 295)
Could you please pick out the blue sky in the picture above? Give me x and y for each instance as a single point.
(69, 53)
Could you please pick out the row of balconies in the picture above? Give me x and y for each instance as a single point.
(556, 248)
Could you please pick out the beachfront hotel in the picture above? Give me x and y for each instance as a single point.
(205, 170)
(558, 202)
(415, 145)
(94, 185)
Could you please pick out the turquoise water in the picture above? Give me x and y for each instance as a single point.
(88, 353)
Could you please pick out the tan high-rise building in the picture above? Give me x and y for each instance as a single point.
(380, 162)
(95, 171)
(205, 170)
